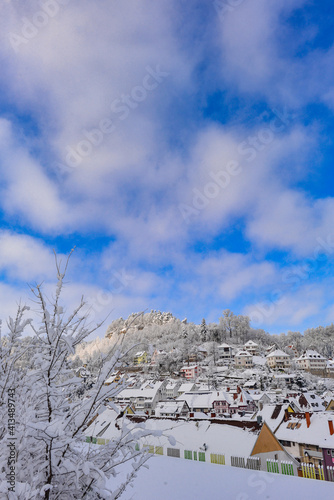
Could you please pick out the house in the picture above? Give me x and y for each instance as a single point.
(200, 401)
(191, 372)
(221, 403)
(273, 414)
(144, 398)
(278, 359)
(232, 402)
(224, 351)
(250, 384)
(270, 349)
(309, 437)
(268, 447)
(309, 401)
(126, 409)
(243, 359)
(114, 378)
(242, 402)
(261, 399)
(330, 405)
(186, 387)
(172, 388)
(251, 347)
(312, 361)
(140, 358)
(330, 368)
(172, 409)
(200, 440)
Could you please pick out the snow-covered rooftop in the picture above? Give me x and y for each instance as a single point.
(272, 414)
(188, 435)
(310, 354)
(278, 353)
(317, 434)
(243, 353)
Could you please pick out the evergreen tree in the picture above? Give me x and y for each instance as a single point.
(204, 331)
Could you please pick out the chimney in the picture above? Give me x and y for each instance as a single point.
(308, 419)
(235, 395)
(331, 428)
(228, 389)
(238, 390)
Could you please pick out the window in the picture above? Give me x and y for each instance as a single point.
(201, 456)
(188, 455)
(159, 450)
(173, 452)
(217, 459)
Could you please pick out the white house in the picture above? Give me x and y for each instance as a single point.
(224, 351)
(278, 359)
(251, 347)
(312, 361)
(330, 367)
(172, 409)
(144, 398)
(243, 359)
(172, 388)
(186, 387)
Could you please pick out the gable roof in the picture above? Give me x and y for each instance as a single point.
(317, 434)
(272, 415)
(278, 352)
(266, 442)
(311, 354)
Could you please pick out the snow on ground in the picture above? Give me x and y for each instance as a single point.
(178, 479)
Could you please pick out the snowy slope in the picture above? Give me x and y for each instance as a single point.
(176, 479)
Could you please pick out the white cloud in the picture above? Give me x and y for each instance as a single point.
(291, 307)
(25, 258)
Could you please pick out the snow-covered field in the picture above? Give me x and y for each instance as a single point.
(178, 479)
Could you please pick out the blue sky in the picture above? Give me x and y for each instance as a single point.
(184, 148)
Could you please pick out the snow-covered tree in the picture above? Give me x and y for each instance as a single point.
(52, 459)
(204, 331)
(234, 327)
